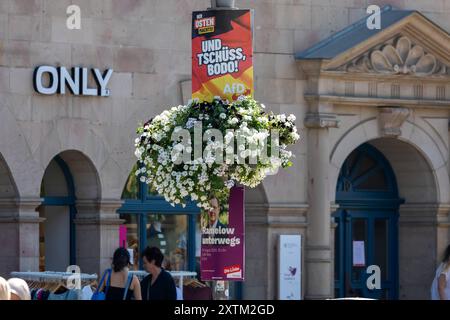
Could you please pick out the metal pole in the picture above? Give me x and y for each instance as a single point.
(222, 5)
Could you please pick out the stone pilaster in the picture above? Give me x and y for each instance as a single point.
(97, 231)
(319, 259)
(19, 229)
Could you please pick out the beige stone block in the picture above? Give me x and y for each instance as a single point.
(21, 80)
(3, 25)
(428, 146)
(121, 85)
(275, 65)
(289, 185)
(292, 17)
(304, 39)
(46, 108)
(78, 135)
(95, 9)
(96, 110)
(164, 35)
(18, 53)
(20, 106)
(92, 56)
(274, 40)
(60, 32)
(34, 132)
(275, 90)
(134, 60)
(25, 7)
(149, 85)
(122, 110)
(263, 13)
(129, 33)
(24, 28)
(179, 62)
(111, 180)
(176, 11)
(4, 80)
(53, 54)
(103, 31)
(56, 8)
(132, 9)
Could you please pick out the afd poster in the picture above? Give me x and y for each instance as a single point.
(222, 54)
(223, 249)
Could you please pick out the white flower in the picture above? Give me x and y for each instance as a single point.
(142, 179)
(291, 118)
(233, 121)
(228, 137)
(203, 198)
(138, 153)
(229, 184)
(222, 116)
(194, 197)
(191, 122)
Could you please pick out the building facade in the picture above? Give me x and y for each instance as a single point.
(371, 169)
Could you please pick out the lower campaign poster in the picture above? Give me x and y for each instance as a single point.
(289, 267)
(223, 249)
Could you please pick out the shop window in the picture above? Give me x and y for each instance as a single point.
(151, 221)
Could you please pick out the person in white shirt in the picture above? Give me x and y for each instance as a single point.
(440, 288)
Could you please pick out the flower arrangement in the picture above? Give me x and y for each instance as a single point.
(204, 148)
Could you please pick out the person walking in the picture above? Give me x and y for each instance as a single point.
(159, 284)
(121, 285)
(440, 288)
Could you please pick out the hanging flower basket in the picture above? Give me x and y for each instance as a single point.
(203, 149)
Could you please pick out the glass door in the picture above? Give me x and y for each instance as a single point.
(365, 264)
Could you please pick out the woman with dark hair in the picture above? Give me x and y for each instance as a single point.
(121, 284)
(440, 289)
(159, 284)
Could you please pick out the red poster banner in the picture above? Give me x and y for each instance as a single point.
(222, 54)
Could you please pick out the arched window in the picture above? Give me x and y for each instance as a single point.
(151, 221)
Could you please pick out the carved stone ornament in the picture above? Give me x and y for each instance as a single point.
(321, 120)
(400, 56)
(391, 119)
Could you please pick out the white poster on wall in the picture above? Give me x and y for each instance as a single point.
(289, 267)
(359, 257)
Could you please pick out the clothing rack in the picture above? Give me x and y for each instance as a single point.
(175, 274)
(52, 281)
(53, 277)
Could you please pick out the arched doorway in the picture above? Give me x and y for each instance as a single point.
(69, 188)
(367, 225)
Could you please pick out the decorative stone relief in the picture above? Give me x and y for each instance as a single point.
(401, 56)
(391, 119)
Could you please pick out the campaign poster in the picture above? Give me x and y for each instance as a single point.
(222, 247)
(222, 54)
